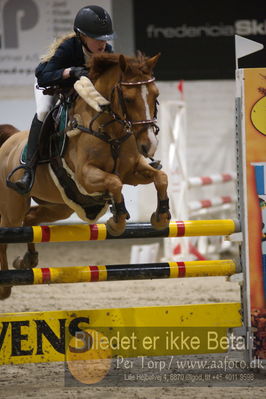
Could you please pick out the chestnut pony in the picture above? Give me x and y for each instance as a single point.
(105, 149)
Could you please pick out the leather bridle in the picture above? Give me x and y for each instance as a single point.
(152, 122)
(127, 124)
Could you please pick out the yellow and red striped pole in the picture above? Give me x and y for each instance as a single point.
(85, 232)
(93, 273)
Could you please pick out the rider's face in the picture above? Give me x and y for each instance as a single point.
(95, 46)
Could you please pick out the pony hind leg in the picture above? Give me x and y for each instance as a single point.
(5, 291)
(10, 217)
(45, 213)
(29, 260)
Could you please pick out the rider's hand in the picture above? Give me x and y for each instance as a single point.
(77, 72)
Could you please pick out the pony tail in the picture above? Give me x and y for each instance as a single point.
(6, 131)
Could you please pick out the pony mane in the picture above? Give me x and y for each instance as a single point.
(101, 62)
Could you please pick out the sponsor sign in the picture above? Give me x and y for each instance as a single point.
(27, 28)
(254, 216)
(196, 39)
(129, 332)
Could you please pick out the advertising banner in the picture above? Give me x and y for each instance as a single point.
(254, 183)
(196, 39)
(27, 28)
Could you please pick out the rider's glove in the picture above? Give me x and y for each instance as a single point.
(77, 72)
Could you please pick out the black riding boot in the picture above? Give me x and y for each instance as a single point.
(24, 184)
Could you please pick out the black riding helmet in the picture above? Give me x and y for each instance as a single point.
(95, 22)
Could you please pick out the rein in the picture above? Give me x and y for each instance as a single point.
(100, 134)
(126, 123)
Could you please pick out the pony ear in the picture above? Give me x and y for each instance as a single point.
(150, 63)
(125, 67)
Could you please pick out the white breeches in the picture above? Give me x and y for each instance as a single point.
(43, 103)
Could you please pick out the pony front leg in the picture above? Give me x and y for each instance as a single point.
(145, 174)
(117, 223)
(95, 180)
(161, 217)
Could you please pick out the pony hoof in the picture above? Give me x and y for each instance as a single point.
(17, 263)
(114, 229)
(5, 292)
(160, 222)
(29, 260)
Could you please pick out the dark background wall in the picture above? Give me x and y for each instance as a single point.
(196, 38)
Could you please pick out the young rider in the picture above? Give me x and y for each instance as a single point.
(93, 28)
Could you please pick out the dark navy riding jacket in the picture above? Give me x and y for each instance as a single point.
(68, 54)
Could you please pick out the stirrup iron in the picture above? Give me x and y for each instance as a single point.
(13, 185)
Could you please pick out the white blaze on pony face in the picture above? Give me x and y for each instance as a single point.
(153, 139)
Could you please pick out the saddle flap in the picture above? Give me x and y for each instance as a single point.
(53, 138)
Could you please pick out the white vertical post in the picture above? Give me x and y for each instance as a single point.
(173, 127)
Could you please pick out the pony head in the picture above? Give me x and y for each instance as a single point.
(128, 84)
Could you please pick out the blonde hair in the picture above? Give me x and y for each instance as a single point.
(54, 46)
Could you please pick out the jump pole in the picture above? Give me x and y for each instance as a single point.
(93, 273)
(85, 232)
